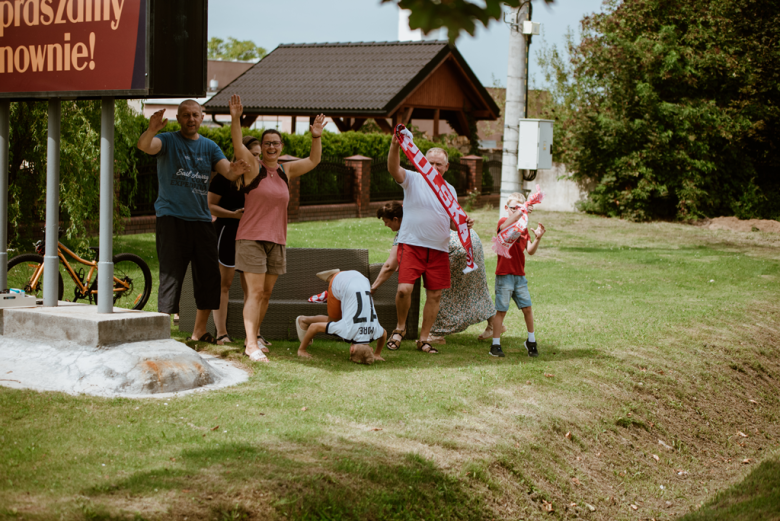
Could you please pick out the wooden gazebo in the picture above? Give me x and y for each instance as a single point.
(391, 82)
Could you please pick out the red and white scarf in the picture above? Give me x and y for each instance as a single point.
(507, 237)
(319, 297)
(439, 187)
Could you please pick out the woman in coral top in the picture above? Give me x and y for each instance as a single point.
(262, 232)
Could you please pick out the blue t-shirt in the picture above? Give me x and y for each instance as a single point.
(183, 171)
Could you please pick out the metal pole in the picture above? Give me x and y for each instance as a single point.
(517, 76)
(50, 260)
(106, 264)
(5, 117)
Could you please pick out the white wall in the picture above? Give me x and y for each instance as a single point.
(560, 195)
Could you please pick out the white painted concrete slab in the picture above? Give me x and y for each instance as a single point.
(150, 369)
(83, 325)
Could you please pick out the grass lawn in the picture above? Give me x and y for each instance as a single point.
(654, 395)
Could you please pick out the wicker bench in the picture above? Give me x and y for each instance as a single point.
(292, 291)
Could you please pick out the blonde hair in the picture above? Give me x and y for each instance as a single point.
(517, 196)
(362, 355)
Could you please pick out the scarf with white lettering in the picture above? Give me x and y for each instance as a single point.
(437, 184)
(507, 237)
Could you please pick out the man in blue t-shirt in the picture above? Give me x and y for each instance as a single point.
(185, 160)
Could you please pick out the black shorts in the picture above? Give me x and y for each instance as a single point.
(226, 241)
(180, 243)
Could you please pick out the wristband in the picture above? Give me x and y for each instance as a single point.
(316, 137)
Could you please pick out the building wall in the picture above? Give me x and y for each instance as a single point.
(560, 194)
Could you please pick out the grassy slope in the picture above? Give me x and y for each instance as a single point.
(647, 332)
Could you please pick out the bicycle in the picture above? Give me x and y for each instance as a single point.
(132, 277)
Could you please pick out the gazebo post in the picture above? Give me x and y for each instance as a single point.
(51, 261)
(293, 124)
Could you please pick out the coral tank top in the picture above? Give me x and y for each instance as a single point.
(265, 208)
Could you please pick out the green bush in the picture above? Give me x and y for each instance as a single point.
(672, 108)
(333, 145)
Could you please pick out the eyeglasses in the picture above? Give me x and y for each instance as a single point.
(272, 143)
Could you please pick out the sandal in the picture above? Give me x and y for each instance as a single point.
(257, 356)
(225, 339)
(426, 347)
(208, 338)
(394, 344)
(262, 340)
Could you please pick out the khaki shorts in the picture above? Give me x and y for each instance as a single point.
(261, 257)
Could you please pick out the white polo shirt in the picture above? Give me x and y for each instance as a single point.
(426, 223)
(359, 323)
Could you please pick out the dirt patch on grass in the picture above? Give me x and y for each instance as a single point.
(747, 225)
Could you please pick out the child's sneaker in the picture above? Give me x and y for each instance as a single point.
(495, 350)
(531, 347)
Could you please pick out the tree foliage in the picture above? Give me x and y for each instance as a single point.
(455, 15)
(79, 165)
(672, 108)
(234, 50)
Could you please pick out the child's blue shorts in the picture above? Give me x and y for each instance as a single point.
(514, 287)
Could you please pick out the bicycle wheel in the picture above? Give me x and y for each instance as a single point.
(132, 284)
(20, 272)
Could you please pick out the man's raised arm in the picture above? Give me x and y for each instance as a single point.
(147, 142)
(394, 161)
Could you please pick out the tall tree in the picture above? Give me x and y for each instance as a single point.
(672, 107)
(234, 50)
(79, 165)
(455, 15)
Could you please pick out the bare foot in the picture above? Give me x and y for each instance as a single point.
(303, 354)
(265, 349)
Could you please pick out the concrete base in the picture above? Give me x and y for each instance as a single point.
(153, 369)
(83, 325)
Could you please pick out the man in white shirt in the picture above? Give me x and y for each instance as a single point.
(423, 244)
(351, 317)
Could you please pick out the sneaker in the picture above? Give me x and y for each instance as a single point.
(531, 347)
(495, 350)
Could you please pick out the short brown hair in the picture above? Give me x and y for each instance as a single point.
(270, 131)
(362, 355)
(391, 210)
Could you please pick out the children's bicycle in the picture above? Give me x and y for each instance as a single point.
(132, 277)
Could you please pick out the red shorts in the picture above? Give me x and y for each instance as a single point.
(433, 265)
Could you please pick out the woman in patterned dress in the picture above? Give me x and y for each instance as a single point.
(468, 300)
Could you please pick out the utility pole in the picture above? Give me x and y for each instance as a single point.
(516, 92)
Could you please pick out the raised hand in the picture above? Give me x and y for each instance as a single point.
(539, 231)
(316, 128)
(240, 167)
(157, 122)
(236, 108)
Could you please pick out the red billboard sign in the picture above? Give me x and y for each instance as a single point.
(93, 48)
(63, 46)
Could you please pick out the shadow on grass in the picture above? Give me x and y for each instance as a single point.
(756, 497)
(353, 481)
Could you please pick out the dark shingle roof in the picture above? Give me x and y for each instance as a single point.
(338, 78)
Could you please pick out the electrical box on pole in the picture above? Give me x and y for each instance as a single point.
(534, 150)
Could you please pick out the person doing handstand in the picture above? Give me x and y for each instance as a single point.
(351, 316)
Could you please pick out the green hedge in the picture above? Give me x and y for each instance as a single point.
(334, 145)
